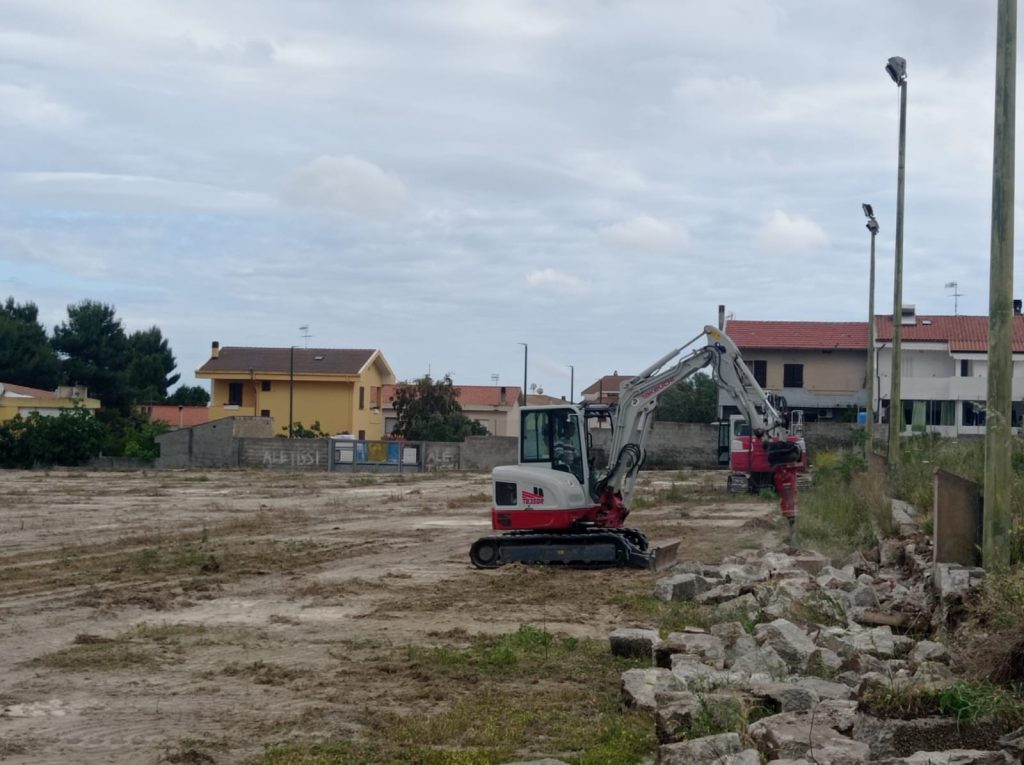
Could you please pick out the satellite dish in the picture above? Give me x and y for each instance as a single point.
(540, 391)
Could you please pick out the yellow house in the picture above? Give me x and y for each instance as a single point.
(19, 399)
(338, 387)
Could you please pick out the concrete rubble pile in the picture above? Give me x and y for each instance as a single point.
(825, 637)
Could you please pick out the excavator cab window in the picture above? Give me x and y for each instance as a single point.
(554, 436)
(567, 447)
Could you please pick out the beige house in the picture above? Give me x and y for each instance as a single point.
(496, 407)
(21, 400)
(818, 366)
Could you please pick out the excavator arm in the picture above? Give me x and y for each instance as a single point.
(638, 400)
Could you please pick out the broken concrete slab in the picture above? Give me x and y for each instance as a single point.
(709, 750)
(680, 587)
(634, 643)
(639, 686)
(788, 640)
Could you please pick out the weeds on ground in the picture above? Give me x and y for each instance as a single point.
(990, 642)
(838, 512)
(469, 500)
(722, 715)
(496, 699)
(655, 497)
(968, 701)
(145, 645)
(676, 615)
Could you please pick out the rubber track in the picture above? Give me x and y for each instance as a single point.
(628, 554)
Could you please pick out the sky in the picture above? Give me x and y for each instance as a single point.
(446, 180)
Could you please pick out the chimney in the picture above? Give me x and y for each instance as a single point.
(1018, 306)
(908, 315)
(504, 394)
(215, 350)
(721, 318)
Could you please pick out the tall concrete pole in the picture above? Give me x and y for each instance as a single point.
(998, 475)
(870, 384)
(897, 69)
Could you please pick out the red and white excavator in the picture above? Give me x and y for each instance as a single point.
(558, 506)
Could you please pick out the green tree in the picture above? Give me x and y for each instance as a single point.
(189, 395)
(428, 410)
(692, 400)
(69, 438)
(95, 353)
(151, 366)
(26, 356)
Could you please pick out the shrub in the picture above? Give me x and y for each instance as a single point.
(69, 438)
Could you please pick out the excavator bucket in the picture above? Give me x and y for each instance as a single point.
(664, 554)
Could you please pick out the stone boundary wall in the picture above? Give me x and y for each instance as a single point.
(293, 454)
(231, 443)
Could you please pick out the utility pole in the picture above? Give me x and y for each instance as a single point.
(291, 389)
(897, 70)
(526, 351)
(998, 475)
(572, 383)
(869, 409)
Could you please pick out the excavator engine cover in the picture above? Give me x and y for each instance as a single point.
(782, 453)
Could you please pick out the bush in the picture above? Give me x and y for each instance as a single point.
(69, 438)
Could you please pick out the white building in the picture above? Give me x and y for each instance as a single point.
(944, 367)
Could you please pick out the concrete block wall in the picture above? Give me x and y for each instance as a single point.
(674, 445)
(175, 449)
(305, 454)
(484, 453)
(441, 455)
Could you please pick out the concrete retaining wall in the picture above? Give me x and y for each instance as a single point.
(212, 444)
(484, 453)
(293, 454)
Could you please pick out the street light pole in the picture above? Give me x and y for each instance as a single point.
(897, 69)
(870, 386)
(526, 351)
(572, 383)
(291, 388)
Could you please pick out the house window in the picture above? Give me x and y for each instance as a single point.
(264, 412)
(362, 435)
(759, 369)
(362, 397)
(965, 368)
(974, 413)
(375, 396)
(235, 394)
(920, 414)
(792, 375)
(265, 385)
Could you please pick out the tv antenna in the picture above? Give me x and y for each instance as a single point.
(305, 335)
(494, 377)
(956, 294)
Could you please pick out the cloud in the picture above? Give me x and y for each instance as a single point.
(644, 232)
(138, 192)
(604, 170)
(784, 233)
(31, 107)
(549, 278)
(347, 185)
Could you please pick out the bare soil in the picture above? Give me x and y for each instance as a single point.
(154, 617)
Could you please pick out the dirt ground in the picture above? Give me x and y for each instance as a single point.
(195, 616)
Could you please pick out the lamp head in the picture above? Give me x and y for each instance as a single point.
(873, 226)
(897, 69)
(868, 212)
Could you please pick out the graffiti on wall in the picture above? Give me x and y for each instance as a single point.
(442, 457)
(295, 458)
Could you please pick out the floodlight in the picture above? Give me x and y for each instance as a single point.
(868, 212)
(873, 226)
(897, 69)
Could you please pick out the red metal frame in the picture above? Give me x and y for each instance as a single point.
(609, 513)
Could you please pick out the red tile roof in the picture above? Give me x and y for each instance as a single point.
(328, 361)
(790, 335)
(472, 395)
(186, 417)
(965, 334)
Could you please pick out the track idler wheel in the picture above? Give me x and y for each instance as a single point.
(484, 553)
